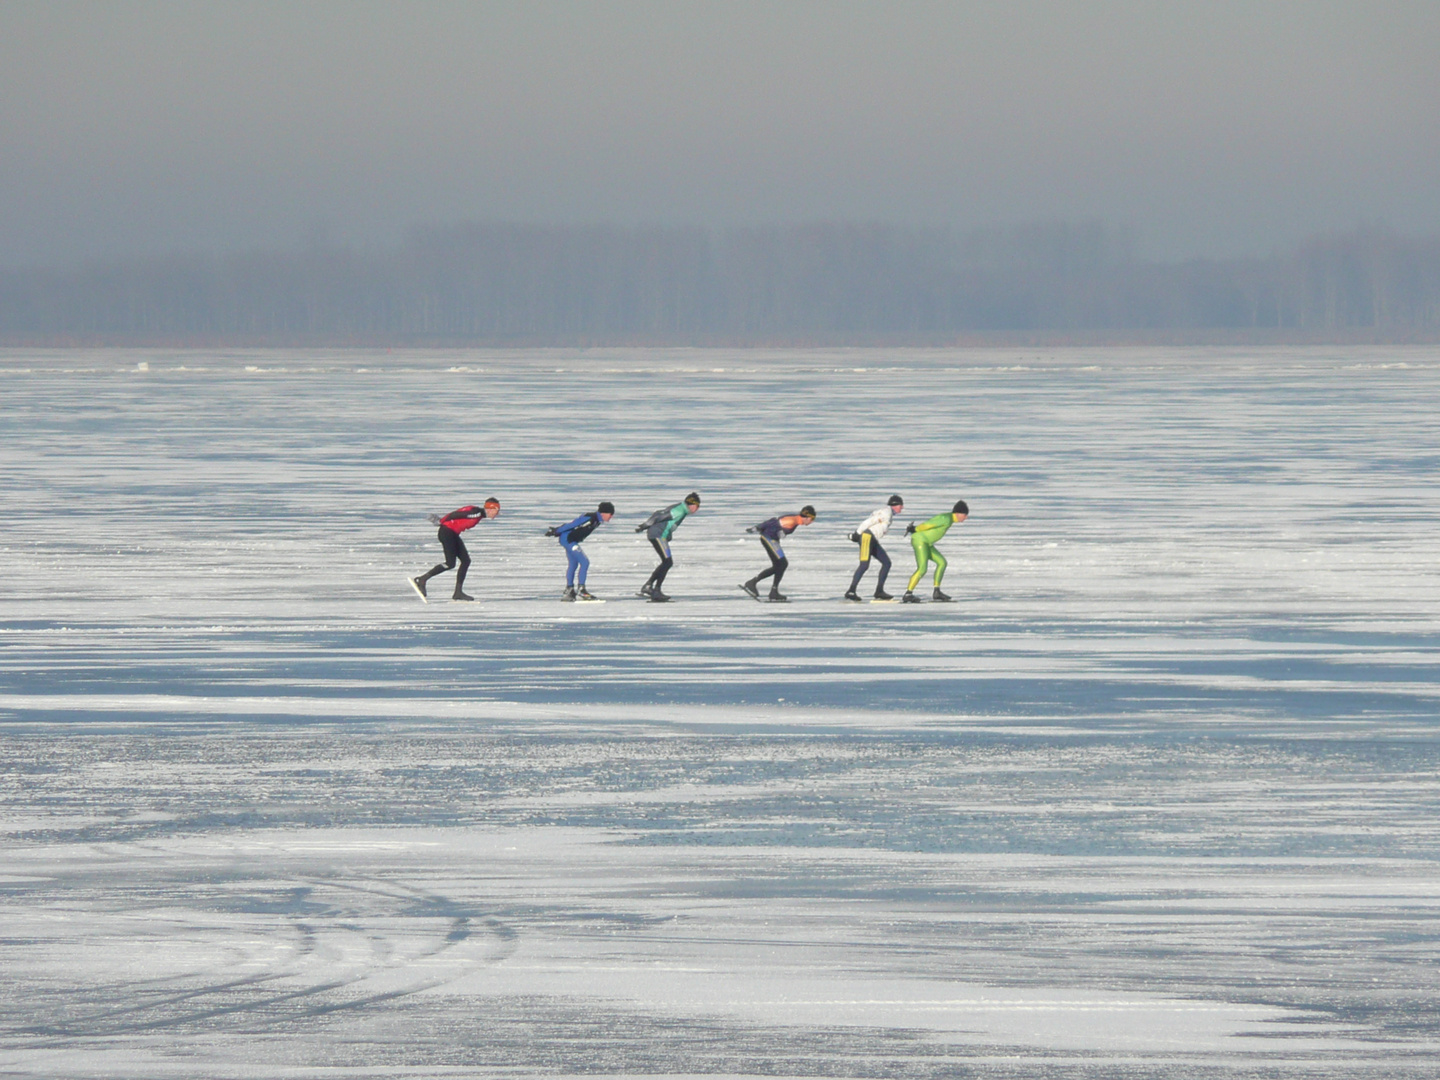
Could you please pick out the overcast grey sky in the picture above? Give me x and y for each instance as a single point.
(1212, 127)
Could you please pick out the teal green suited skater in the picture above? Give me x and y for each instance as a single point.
(923, 539)
(659, 527)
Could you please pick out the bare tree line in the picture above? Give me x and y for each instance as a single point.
(525, 283)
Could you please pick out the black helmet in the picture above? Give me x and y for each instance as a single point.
(895, 500)
(606, 508)
(961, 508)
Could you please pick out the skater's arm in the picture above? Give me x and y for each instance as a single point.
(579, 529)
(790, 522)
(877, 523)
(936, 527)
(678, 513)
(563, 531)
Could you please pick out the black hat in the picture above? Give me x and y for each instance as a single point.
(607, 508)
(807, 511)
(693, 497)
(961, 508)
(895, 500)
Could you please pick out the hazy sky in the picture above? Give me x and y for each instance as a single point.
(1211, 127)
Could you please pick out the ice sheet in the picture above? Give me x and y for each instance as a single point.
(1156, 797)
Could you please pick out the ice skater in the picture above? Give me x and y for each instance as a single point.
(923, 539)
(578, 564)
(659, 527)
(451, 526)
(868, 535)
(770, 533)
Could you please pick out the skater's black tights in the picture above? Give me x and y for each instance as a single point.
(455, 552)
(778, 563)
(657, 576)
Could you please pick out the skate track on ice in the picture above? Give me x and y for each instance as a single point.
(1157, 796)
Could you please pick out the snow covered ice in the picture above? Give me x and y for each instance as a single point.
(1157, 796)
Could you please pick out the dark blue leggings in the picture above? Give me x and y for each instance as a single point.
(870, 549)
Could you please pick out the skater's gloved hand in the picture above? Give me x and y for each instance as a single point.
(552, 532)
(752, 529)
(854, 538)
(434, 519)
(909, 528)
(639, 528)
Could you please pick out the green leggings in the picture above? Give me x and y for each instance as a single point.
(925, 553)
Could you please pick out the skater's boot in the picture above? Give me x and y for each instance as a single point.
(909, 598)
(647, 588)
(776, 594)
(460, 573)
(750, 588)
(938, 595)
(418, 584)
(657, 597)
(881, 594)
(584, 594)
(569, 593)
(853, 595)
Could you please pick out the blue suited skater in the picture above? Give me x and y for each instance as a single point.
(570, 536)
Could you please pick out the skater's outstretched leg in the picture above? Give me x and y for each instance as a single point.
(454, 549)
(419, 582)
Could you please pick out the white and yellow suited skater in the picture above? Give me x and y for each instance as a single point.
(868, 535)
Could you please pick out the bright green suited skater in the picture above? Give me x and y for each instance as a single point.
(923, 539)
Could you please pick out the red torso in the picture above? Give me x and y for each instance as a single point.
(467, 517)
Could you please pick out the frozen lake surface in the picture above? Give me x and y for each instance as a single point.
(1158, 796)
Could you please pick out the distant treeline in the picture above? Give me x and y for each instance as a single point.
(830, 282)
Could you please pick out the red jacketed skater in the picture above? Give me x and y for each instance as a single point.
(451, 526)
